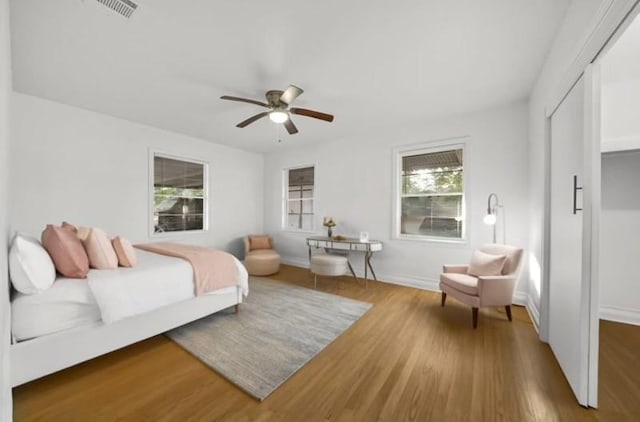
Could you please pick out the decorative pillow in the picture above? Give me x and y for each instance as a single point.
(66, 251)
(259, 242)
(100, 251)
(30, 266)
(125, 252)
(484, 264)
(82, 233)
(69, 226)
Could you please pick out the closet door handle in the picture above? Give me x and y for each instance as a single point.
(576, 188)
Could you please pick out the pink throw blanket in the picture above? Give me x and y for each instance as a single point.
(212, 269)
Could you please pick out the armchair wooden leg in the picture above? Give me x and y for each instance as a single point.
(444, 298)
(508, 309)
(237, 308)
(474, 311)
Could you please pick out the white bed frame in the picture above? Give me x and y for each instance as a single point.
(45, 355)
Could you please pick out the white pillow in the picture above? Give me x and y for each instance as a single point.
(30, 266)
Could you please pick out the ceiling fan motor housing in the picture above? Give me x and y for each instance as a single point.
(273, 98)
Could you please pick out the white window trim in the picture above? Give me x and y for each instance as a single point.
(425, 148)
(205, 206)
(283, 200)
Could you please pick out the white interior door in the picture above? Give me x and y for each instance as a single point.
(571, 312)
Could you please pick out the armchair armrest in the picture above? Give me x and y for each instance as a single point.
(460, 269)
(496, 290)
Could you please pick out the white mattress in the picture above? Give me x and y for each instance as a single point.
(69, 303)
(108, 295)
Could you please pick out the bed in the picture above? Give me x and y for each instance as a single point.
(77, 320)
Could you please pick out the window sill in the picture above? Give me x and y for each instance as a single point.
(301, 232)
(429, 239)
(161, 235)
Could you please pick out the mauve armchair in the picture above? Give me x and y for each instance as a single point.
(484, 291)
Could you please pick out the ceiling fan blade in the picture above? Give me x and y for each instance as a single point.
(252, 119)
(290, 94)
(291, 128)
(311, 113)
(244, 100)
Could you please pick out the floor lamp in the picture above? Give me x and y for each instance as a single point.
(491, 217)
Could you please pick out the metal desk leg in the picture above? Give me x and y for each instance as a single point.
(365, 270)
(369, 255)
(351, 269)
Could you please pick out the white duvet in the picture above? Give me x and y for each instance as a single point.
(156, 281)
(110, 295)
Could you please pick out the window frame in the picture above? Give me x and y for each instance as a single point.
(285, 198)
(427, 148)
(151, 195)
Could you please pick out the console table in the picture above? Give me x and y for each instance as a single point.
(346, 246)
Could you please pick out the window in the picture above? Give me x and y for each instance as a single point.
(179, 194)
(431, 193)
(298, 199)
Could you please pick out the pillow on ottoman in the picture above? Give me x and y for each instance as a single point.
(259, 242)
(66, 251)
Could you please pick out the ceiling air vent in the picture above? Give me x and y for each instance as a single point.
(123, 7)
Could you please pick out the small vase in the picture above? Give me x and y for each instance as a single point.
(329, 232)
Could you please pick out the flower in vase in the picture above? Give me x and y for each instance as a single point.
(329, 222)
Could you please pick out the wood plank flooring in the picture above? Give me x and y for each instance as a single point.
(405, 359)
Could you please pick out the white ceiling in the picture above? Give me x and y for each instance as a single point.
(369, 62)
(622, 61)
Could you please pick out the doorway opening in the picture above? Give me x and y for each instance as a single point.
(619, 280)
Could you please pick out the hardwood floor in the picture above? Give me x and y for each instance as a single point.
(406, 359)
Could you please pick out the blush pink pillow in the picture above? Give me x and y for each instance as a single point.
(66, 251)
(484, 264)
(125, 252)
(100, 251)
(259, 242)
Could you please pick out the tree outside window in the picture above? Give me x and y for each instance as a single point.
(432, 194)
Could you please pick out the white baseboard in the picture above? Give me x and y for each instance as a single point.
(296, 262)
(519, 298)
(620, 314)
(410, 281)
(534, 313)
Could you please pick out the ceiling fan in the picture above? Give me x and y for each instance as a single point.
(279, 112)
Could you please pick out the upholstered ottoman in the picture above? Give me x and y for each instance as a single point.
(262, 262)
(328, 265)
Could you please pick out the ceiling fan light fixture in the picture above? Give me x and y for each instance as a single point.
(278, 116)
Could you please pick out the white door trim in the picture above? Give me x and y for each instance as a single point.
(611, 16)
(591, 221)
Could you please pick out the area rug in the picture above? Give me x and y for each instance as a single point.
(280, 327)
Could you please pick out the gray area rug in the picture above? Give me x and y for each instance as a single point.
(280, 327)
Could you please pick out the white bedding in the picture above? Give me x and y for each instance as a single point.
(157, 280)
(68, 303)
(110, 295)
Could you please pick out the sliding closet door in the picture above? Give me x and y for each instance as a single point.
(570, 264)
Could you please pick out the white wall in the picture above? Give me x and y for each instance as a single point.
(620, 237)
(354, 182)
(5, 97)
(93, 170)
(580, 19)
(620, 122)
